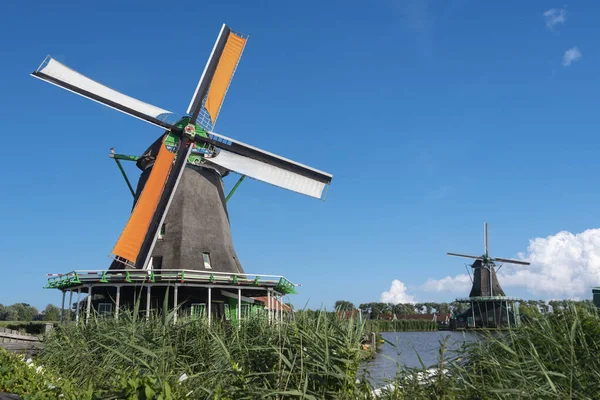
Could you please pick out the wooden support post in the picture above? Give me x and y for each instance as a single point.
(89, 305)
(175, 303)
(148, 294)
(269, 306)
(62, 307)
(117, 302)
(70, 304)
(209, 304)
(77, 308)
(239, 310)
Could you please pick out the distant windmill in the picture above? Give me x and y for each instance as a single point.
(486, 289)
(485, 281)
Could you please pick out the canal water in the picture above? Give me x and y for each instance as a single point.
(404, 347)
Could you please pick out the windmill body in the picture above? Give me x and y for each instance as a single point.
(178, 233)
(489, 305)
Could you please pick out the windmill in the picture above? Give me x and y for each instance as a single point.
(179, 218)
(486, 296)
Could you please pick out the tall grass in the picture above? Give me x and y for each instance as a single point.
(311, 357)
(315, 356)
(551, 357)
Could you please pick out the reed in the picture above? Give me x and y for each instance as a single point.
(551, 357)
(314, 356)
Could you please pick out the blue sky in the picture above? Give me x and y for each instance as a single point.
(433, 117)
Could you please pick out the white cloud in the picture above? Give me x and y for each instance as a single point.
(555, 16)
(458, 284)
(571, 55)
(564, 265)
(397, 294)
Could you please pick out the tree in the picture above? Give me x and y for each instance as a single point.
(442, 308)
(343, 305)
(377, 309)
(51, 313)
(21, 312)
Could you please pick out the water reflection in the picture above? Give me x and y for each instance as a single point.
(405, 347)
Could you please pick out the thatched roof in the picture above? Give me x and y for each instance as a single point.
(481, 281)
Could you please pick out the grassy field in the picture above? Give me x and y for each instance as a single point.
(316, 356)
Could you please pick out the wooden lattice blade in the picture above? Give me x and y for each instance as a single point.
(216, 77)
(60, 75)
(131, 239)
(268, 167)
(464, 255)
(509, 261)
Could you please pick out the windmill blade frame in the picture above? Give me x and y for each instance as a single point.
(171, 183)
(465, 256)
(58, 74)
(267, 167)
(509, 261)
(215, 79)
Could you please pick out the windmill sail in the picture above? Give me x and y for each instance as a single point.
(268, 167)
(216, 77)
(130, 242)
(60, 75)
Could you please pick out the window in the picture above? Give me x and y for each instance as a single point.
(246, 310)
(104, 308)
(198, 310)
(206, 259)
(161, 232)
(155, 262)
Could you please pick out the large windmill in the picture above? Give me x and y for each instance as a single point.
(179, 219)
(489, 305)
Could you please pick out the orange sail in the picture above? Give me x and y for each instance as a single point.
(223, 74)
(131, 239)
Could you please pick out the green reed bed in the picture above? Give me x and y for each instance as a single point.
(551, 357)
(312, 357)
(403, 325)
(315, 356)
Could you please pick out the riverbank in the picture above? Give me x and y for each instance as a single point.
(315, 356)
(405, 325)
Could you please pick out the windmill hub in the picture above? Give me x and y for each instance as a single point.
(190, 130)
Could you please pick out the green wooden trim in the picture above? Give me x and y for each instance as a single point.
(239, 182)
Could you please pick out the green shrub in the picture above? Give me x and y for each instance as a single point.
(31, 382)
